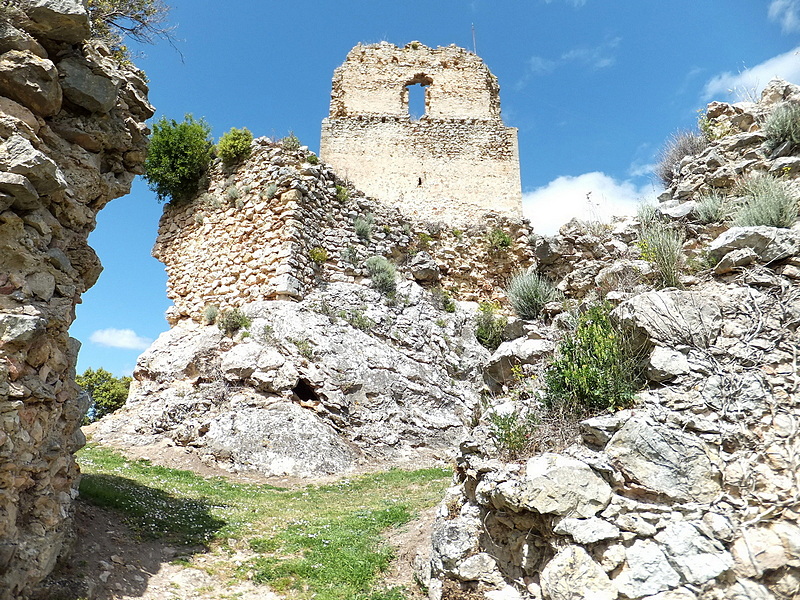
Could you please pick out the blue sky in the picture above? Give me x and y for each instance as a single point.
(594, 86)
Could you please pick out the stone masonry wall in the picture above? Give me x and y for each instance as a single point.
(454, 163)
(72, 137)
(256, 231)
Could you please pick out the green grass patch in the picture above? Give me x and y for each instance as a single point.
(319, 541)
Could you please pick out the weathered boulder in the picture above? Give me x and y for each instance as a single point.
(424, 268)
(646, 571)
(61, 20)
(573, 575)
(30, 80)
(19, 192)
(665, 364)
(693, 555)
(664, 461)
(554, 484)
(17, 155)
(670, 318)
(587, 531)
(95, 93)
(768, 243)
(520, 351)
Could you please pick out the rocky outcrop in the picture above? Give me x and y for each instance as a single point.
(72, 137)
(340, 381)
(692, 493)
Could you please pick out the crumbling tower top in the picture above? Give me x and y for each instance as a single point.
(454, 161)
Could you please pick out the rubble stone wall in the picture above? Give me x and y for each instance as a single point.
(453, 163)
(277, 226)
(72, 137)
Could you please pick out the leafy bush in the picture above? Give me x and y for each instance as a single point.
(768, 201)
(363, 226)
(290, 142)
(312, 159)
(382, 273)
(529, 292)
(594, 369)
(782, 125)
(513, 433)
(342, 194)
(356, 318)
(210, 314)
(319, 255)
(712, 207)
(499, 239)
(662, 246)
(107, 393)
(231, 321)
(678, 146)
(489, 326)
(234, 145)
(178, 156)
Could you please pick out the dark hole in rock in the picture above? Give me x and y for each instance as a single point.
(304, 391)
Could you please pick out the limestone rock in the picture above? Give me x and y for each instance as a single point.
(30, 80)
(573, 575)
(646, 571)
(19, 329)
(670, 318)
(559, 485)
(695, 557)
(520, 351)
(95, 93)
(680, 593)
(62, 20)
(734, 259)
(12, 38)
(665, 364)
(587, 531)
(598, 430)
(665, 461)
(20, 191)
(768, 243)
(283, 439)
(453, 540)
(424, 268)
(17, 155)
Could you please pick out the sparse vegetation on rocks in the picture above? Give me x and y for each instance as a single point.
(678, 146)
(231, 321)
(529, 292)
(178, 155)
(234, 145)
(783, 126)
(382, 274)
(767, 201)
(489, 326)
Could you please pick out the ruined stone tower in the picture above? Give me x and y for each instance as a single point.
(453, 163)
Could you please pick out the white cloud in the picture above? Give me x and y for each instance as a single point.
(575, 3)
(120, 338)
(787, 13)
(591, 197)
(597, 57)
(540, 65)
(751, 81)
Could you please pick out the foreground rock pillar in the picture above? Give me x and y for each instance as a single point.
(72, 137)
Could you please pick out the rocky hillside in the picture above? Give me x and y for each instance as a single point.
(72, 137)
(693, 491)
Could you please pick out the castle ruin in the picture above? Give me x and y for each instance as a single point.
(454, 162)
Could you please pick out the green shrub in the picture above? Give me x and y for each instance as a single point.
(231, 321)
(424, 241)
(319, 255)
(782, 125)
(342, 194)
(768, 201)
(529, 292)
(363, 226)
(270, 191)
(290, 142)
(178, 156)
(232, 193)
(513, 433)
(594, 368)
(210, 314)
(646, 214)
(662, 246)
(489, 326)
(234, 145)
(678, 146)
(350, 255)
(107, 393)
(382, 273)
(499, 239)
(712, 207)
(312, 159)
(357, 319)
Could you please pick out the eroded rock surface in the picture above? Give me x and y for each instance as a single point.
(59, 164)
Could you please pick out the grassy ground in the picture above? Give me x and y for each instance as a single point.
(321, 542)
